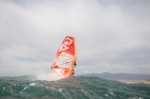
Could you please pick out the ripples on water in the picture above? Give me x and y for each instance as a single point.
(71, 88)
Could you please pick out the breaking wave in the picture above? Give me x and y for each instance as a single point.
(28, 87)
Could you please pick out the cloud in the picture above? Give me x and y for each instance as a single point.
(111, 36)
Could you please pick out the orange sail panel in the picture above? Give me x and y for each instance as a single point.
(65, 60)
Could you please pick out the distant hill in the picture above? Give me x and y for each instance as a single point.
(120, 76)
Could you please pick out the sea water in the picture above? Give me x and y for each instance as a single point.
(76, 87)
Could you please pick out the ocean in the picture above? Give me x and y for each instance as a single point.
(76, 87)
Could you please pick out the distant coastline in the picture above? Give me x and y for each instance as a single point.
(124, 77)
(146, 82)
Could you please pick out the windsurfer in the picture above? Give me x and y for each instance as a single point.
(73, 72)
(75, 64)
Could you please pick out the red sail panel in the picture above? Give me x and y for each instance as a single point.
(67, 46)
(65, 57)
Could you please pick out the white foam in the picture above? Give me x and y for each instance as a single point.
(32, 84)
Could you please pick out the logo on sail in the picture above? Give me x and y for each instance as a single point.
(65, 44)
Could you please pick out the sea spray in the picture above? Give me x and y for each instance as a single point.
(51, 76)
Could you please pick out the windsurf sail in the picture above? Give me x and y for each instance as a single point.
(65, 60)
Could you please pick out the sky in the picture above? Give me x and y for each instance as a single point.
(112, 35)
